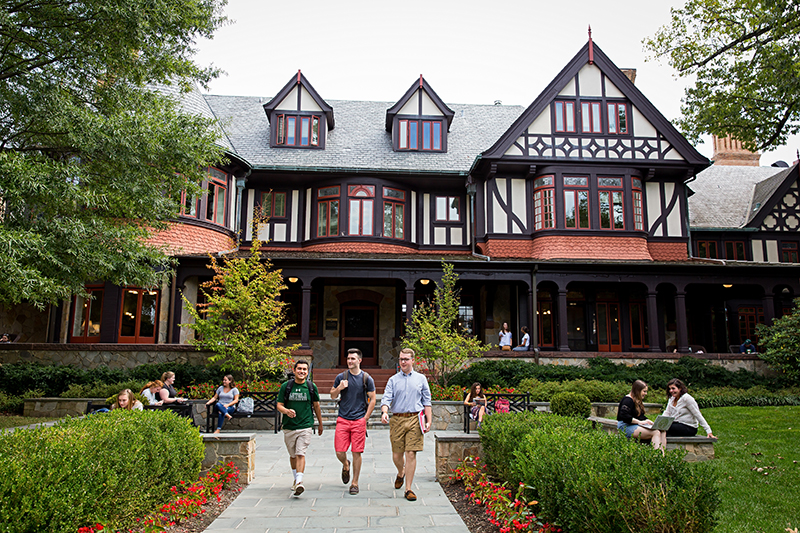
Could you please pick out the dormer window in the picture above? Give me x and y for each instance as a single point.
(590, 119)
(298, 116)
(294, 130)
(419, 135)
(419, 121)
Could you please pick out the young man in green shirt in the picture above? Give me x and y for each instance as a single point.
(298, 402)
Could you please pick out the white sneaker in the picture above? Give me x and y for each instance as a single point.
(298, 488)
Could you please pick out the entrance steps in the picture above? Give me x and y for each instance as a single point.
(324, 377)
(330, 412)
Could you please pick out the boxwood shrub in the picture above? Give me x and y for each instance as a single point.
(592, 481)
(107, 468)
(571, 404)
(502, 433)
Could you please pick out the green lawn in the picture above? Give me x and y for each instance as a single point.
(12, 421)
(752, 438)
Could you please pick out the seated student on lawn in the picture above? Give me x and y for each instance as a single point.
(632, 420)
(476, 399)
(685, 410)
(226, 397)
(125, 400)
(151, 390)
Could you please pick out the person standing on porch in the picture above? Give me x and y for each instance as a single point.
(407, 394)
(298, 402)
(356, 390)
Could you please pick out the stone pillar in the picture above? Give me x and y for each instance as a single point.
(238, 448)
(305, 320)
(563, 344)
(652, 322)
(682, 332)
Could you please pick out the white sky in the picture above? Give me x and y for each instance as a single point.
(471, 52)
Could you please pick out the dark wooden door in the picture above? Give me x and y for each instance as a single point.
(608, 327)
(360, 330)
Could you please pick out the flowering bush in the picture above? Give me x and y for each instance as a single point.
(452, 393)
(204, 391)
(187, 500)
(508, 509)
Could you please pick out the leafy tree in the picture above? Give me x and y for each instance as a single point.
(94, 150)
(435, 335)
(242, 320)
(779, 343)
(744, 58)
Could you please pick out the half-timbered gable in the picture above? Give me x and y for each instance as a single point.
(590, 167)
(746, 214)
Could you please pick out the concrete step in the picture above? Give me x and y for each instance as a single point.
(324, 377)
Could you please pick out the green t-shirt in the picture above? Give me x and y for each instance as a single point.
(298, 400)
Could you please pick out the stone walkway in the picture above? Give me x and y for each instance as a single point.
(267, 506)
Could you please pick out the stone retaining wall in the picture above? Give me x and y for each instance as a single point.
(453, 447)
(88, 356)
(697, 448)
(238, 448)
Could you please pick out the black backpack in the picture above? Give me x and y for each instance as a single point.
(311, 388)
(364, 375)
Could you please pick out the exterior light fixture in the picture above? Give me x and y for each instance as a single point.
(424, 281)
(727, 285)
(293, 280)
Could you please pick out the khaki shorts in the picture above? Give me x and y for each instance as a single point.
(405, 434)
(297, 440)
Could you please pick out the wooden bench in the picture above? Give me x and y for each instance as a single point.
(517, 402)
(697, 448)
(265, 405)
(181, 409)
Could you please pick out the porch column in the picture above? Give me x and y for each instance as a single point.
(768, 304)
(652, 322)
(563, 344)
(305, 319)
(409, 303)
(680, 315)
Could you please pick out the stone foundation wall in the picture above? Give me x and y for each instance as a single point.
(238, 448)
(87, 356)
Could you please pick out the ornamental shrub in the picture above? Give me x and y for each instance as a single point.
(571, 404)
(592, 481)
(502, 433)
(107, 468)
(101, 390)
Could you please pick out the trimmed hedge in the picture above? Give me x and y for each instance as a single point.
(571, 404)
(606, 484)
(107, 468)
(53, 380)
(595, 390)
(753, 397)
(693, 372)
(502, 433)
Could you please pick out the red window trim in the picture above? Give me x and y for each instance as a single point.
(538, 196)
(136, 338)
(733, 249)
(85, 339)
(392, 198)
(708, 248)
(615, 118)
(326, 204)
(394, 204)
(264, 194)
(565, 105)
(287, 129)
(574, 189)
(790, 248)
(336, 195)
(595, 108)
(216, 184)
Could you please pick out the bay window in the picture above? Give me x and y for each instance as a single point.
(543, 205)
(360, 207)
(576, 202)
(328, 211)
(393, 213)
(612, 212)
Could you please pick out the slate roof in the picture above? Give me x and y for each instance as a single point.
(727, 196)
(360, 141)
(193, 103)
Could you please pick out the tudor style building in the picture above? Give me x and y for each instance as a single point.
(586, 217)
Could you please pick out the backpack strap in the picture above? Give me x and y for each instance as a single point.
(366, 397)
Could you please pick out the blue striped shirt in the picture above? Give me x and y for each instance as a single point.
(406, 393)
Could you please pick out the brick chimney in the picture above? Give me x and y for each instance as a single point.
(630, 73)
(729, 152)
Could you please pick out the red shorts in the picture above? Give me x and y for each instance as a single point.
(350, 432)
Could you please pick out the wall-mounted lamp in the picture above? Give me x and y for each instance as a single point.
(727, 285)
(294, 280)
(424, 281)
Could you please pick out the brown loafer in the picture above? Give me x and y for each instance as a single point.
(410, 496)
(398, 481)
(346, 474)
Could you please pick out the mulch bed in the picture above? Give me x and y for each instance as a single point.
(474, 516)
